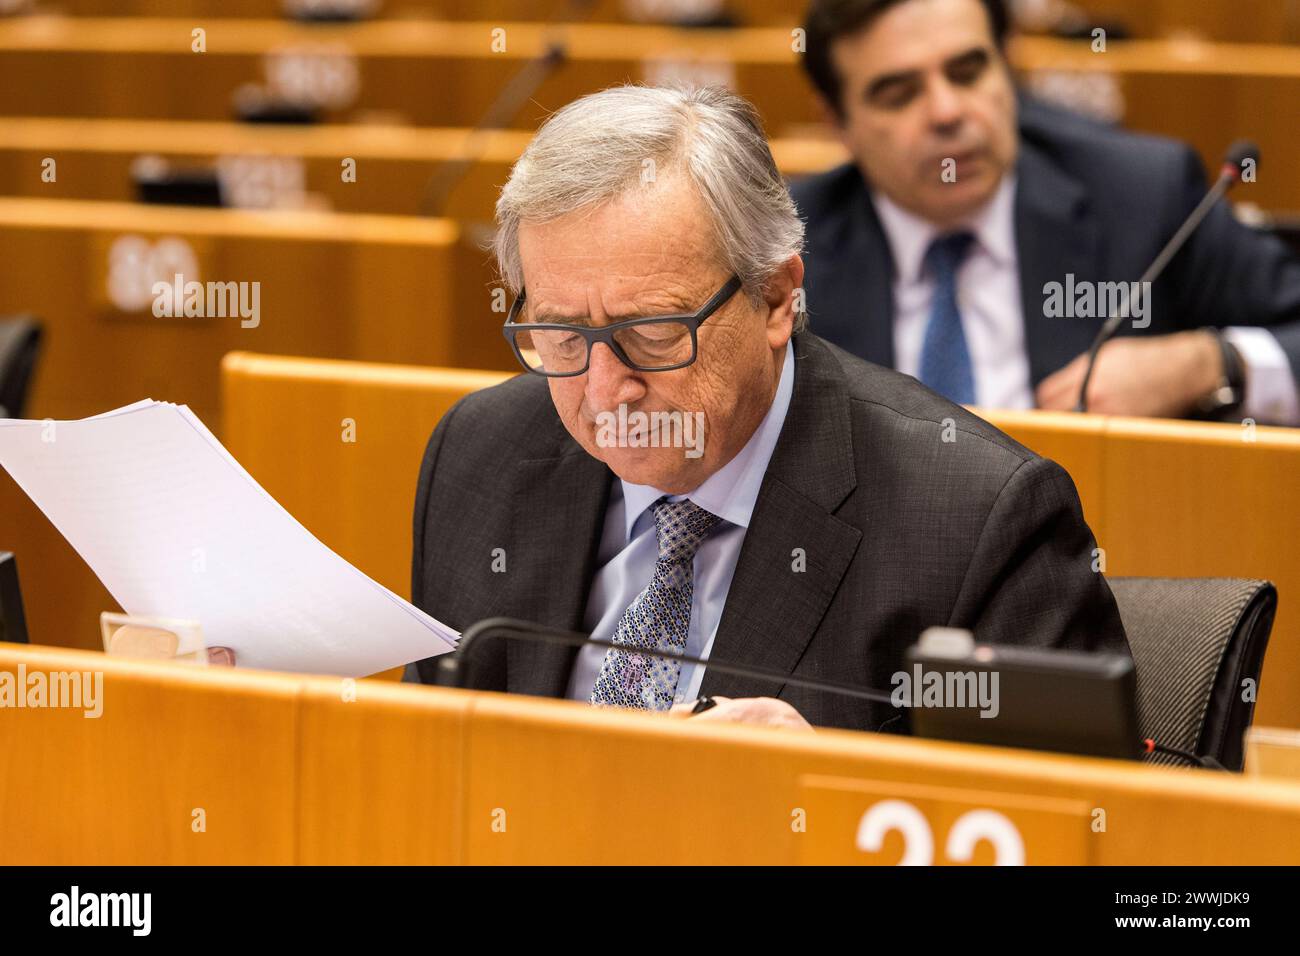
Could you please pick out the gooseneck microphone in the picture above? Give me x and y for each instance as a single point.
(509, 101)
(455, 669)
(453, 672)
(1229, 175)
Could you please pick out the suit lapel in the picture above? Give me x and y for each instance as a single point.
(774, 608)
(854, 302)
(877, 284)
(558, 515)
(1055, 235)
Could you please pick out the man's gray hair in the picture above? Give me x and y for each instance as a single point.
(601, 145)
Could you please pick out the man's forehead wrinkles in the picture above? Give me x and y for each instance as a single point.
(658, 258)
(616, 282)
(592, 250)
(651, 300)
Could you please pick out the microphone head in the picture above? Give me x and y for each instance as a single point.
(1237, 155)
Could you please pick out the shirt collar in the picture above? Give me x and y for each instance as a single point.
(909, 235)
(731, 491)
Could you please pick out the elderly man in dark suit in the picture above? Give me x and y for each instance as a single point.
(685, 467)
(973, 239)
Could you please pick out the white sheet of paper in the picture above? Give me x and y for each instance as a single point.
(175, 527)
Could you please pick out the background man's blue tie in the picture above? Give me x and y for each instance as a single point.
(945, 359)
(659, 616)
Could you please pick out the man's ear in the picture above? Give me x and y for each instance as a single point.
(828, 113)
(784, 297)
(831, 117)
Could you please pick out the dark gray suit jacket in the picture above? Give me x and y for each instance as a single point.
(902, 530)
(1091, 200)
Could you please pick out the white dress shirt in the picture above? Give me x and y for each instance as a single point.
(988, 296)
(992, 313)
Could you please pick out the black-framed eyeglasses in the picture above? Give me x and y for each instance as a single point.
(653, 344)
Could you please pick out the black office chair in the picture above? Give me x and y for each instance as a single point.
(1195, 643)
(20, 345)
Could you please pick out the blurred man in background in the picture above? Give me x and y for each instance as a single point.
(975, 235)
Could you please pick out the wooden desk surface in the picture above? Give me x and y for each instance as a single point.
(290, 768)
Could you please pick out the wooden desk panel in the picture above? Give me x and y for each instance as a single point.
(358, 495)
(371, 751)
(333, 285)
(293, 769)
(124, 788)
(1188, 499)
(732, 794)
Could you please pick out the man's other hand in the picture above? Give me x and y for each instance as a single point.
(763, 711)
(1158, 377)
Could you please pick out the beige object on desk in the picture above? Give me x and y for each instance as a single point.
(152, 638)
(132, 641)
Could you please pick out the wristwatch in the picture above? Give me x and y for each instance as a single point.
(1229, 394)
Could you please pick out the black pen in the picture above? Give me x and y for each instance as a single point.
(703, 704)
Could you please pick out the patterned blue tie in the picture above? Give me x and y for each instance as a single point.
(659, 616)
(945, 360)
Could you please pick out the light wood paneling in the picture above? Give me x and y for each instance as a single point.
(294, 769)
(125, 787)
(356, 496)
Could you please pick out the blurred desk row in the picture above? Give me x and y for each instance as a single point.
(430, 74)
(1238, 20)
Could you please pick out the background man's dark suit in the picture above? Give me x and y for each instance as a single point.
(1091, 200)
(901, 530)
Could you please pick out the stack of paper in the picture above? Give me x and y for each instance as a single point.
(174, 527)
